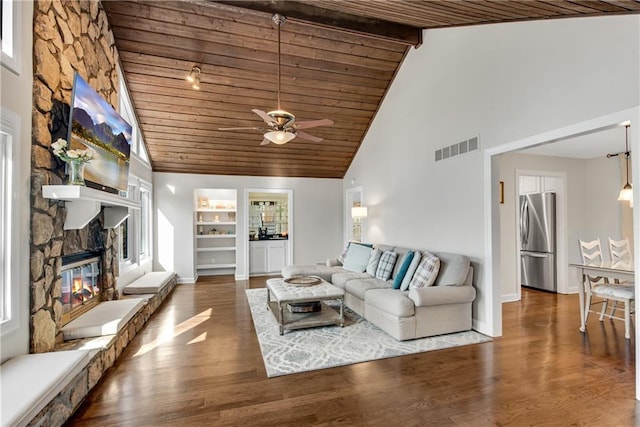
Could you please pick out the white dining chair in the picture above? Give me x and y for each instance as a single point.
(601, 288)
(620, 251)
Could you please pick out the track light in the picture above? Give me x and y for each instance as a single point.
(194, 78)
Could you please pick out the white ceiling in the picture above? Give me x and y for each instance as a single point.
(587, 146)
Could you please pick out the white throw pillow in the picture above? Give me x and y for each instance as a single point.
(374, 259)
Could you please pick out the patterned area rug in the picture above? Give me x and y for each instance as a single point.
(325, 347)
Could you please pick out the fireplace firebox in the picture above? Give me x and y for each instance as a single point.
(81, 284)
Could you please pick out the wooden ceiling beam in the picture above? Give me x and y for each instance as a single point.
(324, 18)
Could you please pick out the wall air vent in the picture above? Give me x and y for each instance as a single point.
(471, 144)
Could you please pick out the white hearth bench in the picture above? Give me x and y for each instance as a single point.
(28, 383)
(150, 283)
(46, 388)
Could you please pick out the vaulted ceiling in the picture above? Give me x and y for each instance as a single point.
(338, 59)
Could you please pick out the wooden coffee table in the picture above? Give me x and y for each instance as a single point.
(281, 293)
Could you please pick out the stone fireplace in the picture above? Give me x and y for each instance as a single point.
(68, 37)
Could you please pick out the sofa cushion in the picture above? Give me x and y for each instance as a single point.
(358, 287)
(322, 271)
(374, 259)
(357, 257)
(453, 269)
(386, 264)
(390, 301)
(404, 263)
(417, 257)
(340, 279)
(426, 272)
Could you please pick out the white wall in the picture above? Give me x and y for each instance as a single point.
(16, 97)
(503, 82)
(592, 209)
(317, 218)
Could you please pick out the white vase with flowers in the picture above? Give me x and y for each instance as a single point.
(75, 160)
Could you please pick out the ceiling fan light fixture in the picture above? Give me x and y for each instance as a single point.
(279, 136)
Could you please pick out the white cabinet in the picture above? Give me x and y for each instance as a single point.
(215, 232)
(267, 256)
(275, 256)
(257, 257)
(539, 184)
(529, 184)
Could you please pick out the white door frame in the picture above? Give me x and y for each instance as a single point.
(492, 302)
(245, 222)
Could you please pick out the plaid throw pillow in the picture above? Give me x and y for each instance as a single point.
(426, 272)
(385, 265)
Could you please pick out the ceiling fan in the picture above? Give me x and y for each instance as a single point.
(282, 125)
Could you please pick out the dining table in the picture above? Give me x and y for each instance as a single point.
(609, 270)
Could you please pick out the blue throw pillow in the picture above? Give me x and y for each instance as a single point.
(403, 270)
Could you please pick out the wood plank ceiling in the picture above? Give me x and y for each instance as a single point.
(338, 60)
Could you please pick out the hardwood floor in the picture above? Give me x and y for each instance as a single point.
(198, 362)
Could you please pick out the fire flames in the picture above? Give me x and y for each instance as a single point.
(81, 291)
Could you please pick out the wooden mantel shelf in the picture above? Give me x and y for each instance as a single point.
(83, 204)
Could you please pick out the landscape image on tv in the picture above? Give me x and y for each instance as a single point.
(96, 126)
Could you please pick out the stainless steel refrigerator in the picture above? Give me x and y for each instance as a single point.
(538, 241)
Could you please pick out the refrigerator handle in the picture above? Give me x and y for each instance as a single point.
(524, 222)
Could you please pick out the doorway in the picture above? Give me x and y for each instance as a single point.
(353, 227)
(269, 225)
(492, 304)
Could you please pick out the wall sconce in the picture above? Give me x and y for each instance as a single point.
(359, 212)
(194, 77)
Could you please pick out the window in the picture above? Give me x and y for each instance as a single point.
(123, 238)
(126, 240)
(127, 112)
(135, 233)
(9, 221)
(145, 220)
(11, 17)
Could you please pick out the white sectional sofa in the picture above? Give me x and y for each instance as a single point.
(439, 308)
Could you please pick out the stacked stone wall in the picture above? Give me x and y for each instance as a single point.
(69, 36)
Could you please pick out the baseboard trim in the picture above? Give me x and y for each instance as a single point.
(184, 280)
(510, 298)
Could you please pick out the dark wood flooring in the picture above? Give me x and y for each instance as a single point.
(197, 363)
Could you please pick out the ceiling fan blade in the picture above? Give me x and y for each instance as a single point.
(312, 123)
(306, 136)
(264, 116)
(265, 142)
(247, 128)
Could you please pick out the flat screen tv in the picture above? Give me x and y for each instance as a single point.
(95, 125)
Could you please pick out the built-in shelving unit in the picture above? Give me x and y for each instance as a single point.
(84, 203)
(215, 231)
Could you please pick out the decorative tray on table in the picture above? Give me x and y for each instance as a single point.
(303, 280)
